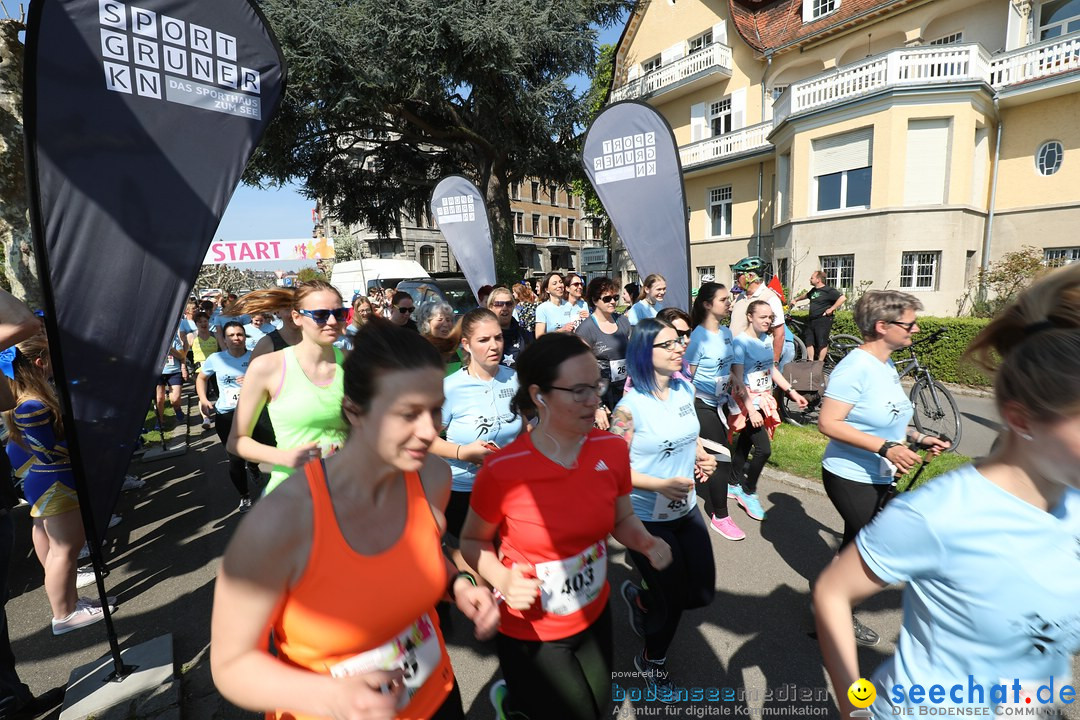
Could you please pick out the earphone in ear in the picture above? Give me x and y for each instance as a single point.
(540, 400)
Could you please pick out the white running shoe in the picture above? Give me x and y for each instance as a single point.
(132, 482)
(244, 506)
(85, 576)
(82, 616)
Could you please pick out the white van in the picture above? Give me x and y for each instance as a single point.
(359, 275)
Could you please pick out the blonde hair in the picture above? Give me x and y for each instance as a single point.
(499, 290)
(884, 306)
(269, 300)
(1033, 347)
(650, 280)
(32, 383)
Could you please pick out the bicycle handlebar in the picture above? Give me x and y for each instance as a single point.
(940, 332)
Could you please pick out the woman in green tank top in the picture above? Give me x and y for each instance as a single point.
(301, 386)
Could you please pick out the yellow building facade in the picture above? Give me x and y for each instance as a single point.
(898, 145)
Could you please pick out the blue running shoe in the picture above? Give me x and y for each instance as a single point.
(750, 504)
(657, 679)
(497, 696)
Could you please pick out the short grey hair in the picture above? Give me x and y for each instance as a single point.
(430, 309)
(882, 305)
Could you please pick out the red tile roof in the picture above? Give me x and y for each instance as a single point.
(770, 25)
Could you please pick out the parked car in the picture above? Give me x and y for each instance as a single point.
(454, 290)
(361, 275)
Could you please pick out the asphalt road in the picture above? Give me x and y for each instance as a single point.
(754, 638)
(980, 425)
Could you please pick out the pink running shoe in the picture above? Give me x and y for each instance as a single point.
(727, 528)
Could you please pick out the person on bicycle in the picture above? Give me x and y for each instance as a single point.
(865, 415)
(825, 300)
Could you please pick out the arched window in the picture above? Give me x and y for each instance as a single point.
(427, 257)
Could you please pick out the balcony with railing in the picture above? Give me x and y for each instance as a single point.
(726, 146)
(682, 75)
(922, 66)
(1035, 62)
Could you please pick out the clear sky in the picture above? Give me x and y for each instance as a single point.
(255, 214)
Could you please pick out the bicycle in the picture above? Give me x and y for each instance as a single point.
(839, 345)
(936, 412)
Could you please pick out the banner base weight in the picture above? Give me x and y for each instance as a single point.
(151, 690)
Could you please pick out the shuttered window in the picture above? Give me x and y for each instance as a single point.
(842, 170)
(925, 182)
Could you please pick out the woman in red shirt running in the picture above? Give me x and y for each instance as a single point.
(345, 563)
(552, 497)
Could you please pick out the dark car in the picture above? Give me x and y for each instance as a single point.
(453, 290)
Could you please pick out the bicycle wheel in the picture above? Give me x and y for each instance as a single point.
(839, 347)
(800, 349)
(935, 411)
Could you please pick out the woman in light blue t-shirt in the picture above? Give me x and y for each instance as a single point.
(989, 553)
(650, 301)
(575, 297)
(865, 415)
(656, 416)
(476, 412)
(554, 313)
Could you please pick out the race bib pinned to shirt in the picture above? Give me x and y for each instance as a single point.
(228, 399)
(666, 509)
(759, 380)
(571, 584)
(416, 652)
(618, 370)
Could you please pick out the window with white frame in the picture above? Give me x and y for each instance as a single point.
(536, 224)
(720, 211)
(515, 191)
(842, 170)
(651, 64)
(814, 9)
(427, 257)
(699, 43)
(589, 229)
(705, 271)
(950, 39)
(1048, 157)
(554, 226)
(777, 91)
(919, 270)
(839, 270)
(1056, 257)
(1058, 17)
(720, 116)
(519, 223)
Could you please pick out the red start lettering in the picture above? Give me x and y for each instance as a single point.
(261, 251)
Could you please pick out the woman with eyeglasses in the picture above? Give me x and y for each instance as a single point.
(650, 300)
(575, 290)
(607, 334)
(865, 415)
(515, 337)
(300, 386)
(435, 320)
(548, 501)
(753, 374)
(657, 420)
(554, 314)
(709, 356)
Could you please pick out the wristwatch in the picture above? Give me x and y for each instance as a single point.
(884, 449)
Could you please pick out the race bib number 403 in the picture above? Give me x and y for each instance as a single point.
(569, 585)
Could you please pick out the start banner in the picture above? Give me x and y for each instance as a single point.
(243, 251)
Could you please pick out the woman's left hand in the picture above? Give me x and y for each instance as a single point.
(799, 399)
(602, 421)
(478, 604)
(935, 446)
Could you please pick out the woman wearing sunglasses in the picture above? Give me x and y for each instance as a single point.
(575, 290)
(551, 498)
(753, 373)
(865, 415)
(301, 386)
(515, 337)
(607, 334)
(656, 418)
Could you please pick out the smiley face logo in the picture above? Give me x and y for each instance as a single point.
(862, 693)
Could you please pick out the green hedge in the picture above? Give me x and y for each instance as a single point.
(944, 355)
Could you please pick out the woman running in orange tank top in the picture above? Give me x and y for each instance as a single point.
(346, 567)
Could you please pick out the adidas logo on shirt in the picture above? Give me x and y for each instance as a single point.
(601, 466)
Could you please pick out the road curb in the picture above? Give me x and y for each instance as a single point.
(793, 480)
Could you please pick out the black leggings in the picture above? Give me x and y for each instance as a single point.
(237, 465)
(856, 502)
(689, 582)
(758, 438)
(568, 678)
(714, 492)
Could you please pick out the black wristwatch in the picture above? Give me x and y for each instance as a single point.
(884, 449)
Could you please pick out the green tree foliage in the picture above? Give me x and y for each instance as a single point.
(385, 98)
(1002, 281)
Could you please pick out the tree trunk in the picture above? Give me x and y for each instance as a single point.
(501, 219)
(20, 268)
